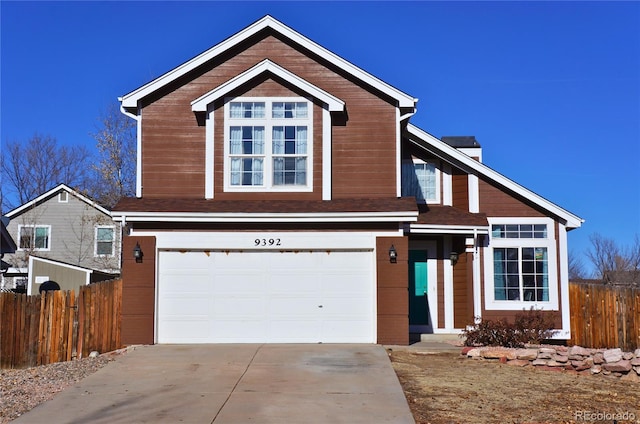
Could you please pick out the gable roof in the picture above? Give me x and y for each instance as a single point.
(448, 153)
(130, 100)
(266, 66)
(45, 196)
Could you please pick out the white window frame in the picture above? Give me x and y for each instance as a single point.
(113, 241)
(63, 197)
(436, 165)
(268, 122)
(549, 243)
(33, 241)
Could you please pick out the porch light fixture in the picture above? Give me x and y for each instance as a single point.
(453, 257)
(393, 254)
(137, 253)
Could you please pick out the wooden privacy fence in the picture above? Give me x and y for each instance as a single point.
(57, 326)
(605, 316)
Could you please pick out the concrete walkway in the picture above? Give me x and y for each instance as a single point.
(231, 384)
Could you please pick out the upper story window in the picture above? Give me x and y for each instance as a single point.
(34, 237)
(519, 231)
(63, 197)
(268, 144)
(105, 241)
(421, 179)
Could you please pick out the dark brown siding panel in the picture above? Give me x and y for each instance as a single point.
(392, 286)
(496, 202)
(460, 292)
(460, 190)
(138, 291)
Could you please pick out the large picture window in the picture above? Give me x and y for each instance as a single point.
(268, 144)
(521, 264)
(34, 237)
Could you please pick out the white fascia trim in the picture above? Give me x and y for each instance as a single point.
(447, 184)
(200, 104)
(268, 217)
(44, 196)
(130, 100)
(474, 193)
(572, 221)
(447, 229)
(138, 119)
(565, 331)
(209, 153)
(327, 142)
(448, 287)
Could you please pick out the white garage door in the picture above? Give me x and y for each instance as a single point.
(266, 297)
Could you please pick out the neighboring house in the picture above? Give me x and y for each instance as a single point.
(284, 196)
(7, 245)
(65, 226)
(67, 276)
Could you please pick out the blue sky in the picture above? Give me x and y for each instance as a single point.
(550, 89)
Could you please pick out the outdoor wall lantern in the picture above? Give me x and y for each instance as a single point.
(453, 257)
(393, 255)
(137, 253)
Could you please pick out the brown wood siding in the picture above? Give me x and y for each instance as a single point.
(174, 141)
(460, 189)
(462, 286)
(496, 202)
(138, 291)
(392, 291)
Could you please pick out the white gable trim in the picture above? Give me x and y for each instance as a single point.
(17, 211)
(131, 99)
(201, 103)
(446, 152)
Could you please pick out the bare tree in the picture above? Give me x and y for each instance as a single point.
(32, 167)
(576, 267)
(610, 259)
(116, 168)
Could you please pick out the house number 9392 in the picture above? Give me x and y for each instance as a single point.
(266, 242)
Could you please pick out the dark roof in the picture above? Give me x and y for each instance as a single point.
(461, 141)
(448, 215)
(130, 204)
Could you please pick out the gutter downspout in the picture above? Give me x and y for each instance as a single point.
(138, 119)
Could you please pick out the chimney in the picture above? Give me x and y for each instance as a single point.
(467, 144)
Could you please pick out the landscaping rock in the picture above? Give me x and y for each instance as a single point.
(620, 366)
(637, 370)
(552, 363)
(518, 362)
(631, 376)
(637, 353)
(635, 362)
(627, 356)
(498, 352)
(474, 353)
(598, 358)
(579, 350)
(596, 369)
(612, 355)
(526, 354)
(560, 358)
(539, 362)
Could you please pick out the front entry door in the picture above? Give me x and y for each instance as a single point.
(419, 314)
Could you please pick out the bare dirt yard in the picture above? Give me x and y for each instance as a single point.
(450, 388)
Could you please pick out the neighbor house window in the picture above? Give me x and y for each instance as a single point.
(268, 144)
(34, 237)
(105, 241)
(421, 179)
(522, 262)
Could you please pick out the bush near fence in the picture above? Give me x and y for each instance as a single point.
(58, 326)
(605, 316)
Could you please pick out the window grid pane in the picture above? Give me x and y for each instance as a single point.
(521, 274)
(519, 231)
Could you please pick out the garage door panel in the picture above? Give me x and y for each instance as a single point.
(262, 296)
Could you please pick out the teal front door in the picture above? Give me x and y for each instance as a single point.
(419, 316)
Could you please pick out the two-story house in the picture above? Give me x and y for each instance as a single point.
(70, 237)
(284, 196)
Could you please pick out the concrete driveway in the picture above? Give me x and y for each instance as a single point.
(231, 384)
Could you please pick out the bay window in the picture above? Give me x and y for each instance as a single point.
(268, 144)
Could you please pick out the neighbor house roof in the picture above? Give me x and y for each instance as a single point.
(203, 210)
(130, 100)
(7, 244)
(450, 154)
(61, 187)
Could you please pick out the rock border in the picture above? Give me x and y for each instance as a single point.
(608, 362)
